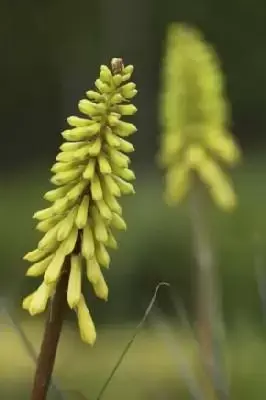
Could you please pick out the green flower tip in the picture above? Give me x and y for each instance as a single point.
(91, 172)
(194, 118)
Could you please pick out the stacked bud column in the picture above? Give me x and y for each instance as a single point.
(91, 172)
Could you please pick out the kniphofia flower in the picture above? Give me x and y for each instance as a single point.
(90, 174)
(195, 118)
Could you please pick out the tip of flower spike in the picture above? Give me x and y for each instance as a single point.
(117, 65)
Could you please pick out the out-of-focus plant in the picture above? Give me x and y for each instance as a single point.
(194, 117)
(194, 143)
(91, 171)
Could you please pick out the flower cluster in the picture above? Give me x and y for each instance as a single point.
(194, 117)
(90, 173)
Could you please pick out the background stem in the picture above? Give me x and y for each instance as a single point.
(53, 328)
(209, 321)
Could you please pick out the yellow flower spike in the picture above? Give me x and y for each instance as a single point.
(102, 255)
(74, 281)
(100, 230)
(194, 118)
(40, 298)
(82, 214)
(85, 322)
(90, 172)
(96, 189)
(87, 244)
(90, 169)
(93, 270)
(66, 225)
(40, 267)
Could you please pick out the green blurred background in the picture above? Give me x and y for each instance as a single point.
(50, 55)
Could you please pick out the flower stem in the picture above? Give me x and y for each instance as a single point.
(53, 328)
(207, 299)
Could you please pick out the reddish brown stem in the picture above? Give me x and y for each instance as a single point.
(53, 328)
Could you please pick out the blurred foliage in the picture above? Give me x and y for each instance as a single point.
(44, 44)
(150, 368)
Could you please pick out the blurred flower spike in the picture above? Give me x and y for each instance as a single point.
(194, 118)
(90, 173)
